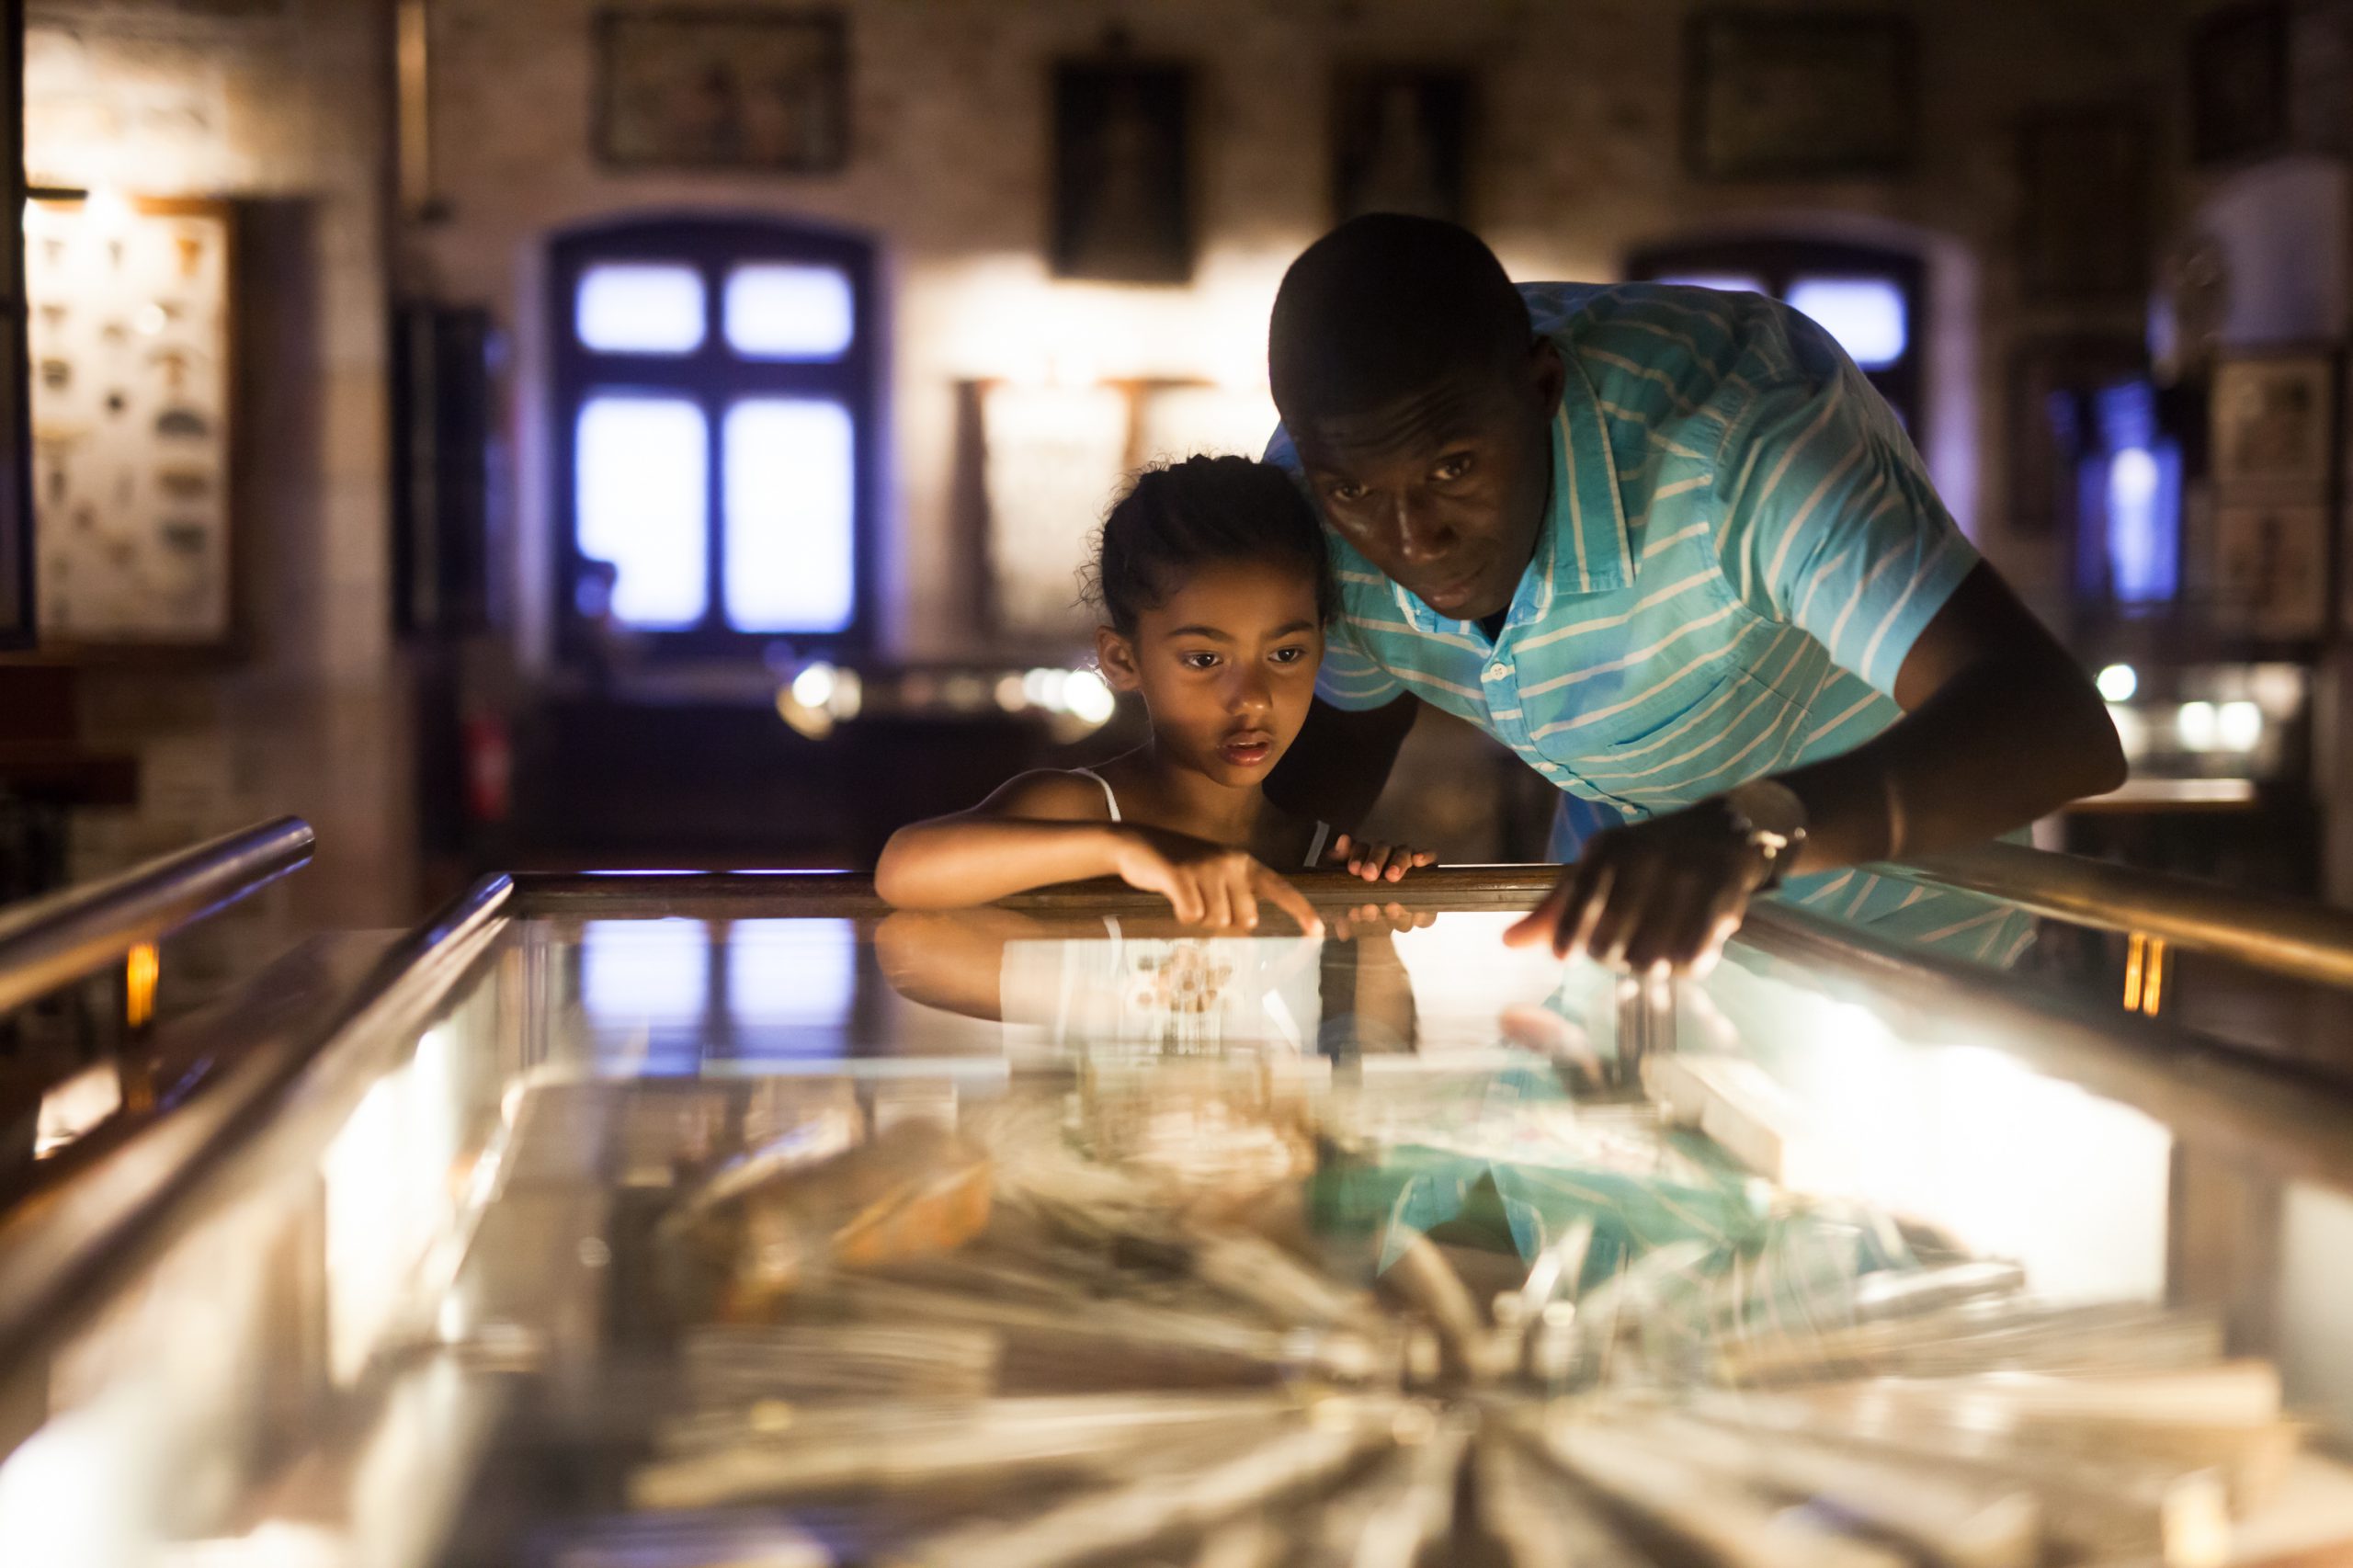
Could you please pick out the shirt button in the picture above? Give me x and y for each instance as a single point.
(1497, 672)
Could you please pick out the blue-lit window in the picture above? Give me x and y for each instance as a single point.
(1865, 314)
(1872, 301)
(715, 435)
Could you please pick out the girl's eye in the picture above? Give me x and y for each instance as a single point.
(1198, 661)
(1288, 655)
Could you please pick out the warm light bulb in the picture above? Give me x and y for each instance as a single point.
(2119, 682)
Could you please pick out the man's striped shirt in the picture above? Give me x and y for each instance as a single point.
(1742, 547)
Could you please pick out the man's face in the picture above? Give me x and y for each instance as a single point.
(1446, 490)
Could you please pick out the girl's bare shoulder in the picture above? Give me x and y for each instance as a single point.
(1049, 795)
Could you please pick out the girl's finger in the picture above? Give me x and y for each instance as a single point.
(1290, 899)
(1183, 899)
(1246, 906)
(1340, 851)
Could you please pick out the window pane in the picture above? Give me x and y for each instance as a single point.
(776, 311)
(1729, 283)
(790, 529)
(640, 308)
(1865, 314)
(642, 487)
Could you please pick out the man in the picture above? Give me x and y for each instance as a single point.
(1671, 548)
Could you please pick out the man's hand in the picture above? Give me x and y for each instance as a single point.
(1376, 862)
(1207, 884)
(1662, 894)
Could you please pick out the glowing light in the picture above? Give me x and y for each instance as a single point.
(2196, 725)
(813, 687)
(790, 538)
(1865, 314)
(640, 308)
(2131, 732)
(642, 468)
(1009, 695)
(2119, 682)
(1088, 698)
(142, 967)
(778, 311)
(1723, 282)
(149, 320)
(849, 695)
(2240, 724)
(108, 211)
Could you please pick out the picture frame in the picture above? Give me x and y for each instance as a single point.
(1122, 199)
(2274, 427)
(2271, 569)
(732, 88)
(1778, 95)
(1401, 142)
(2239, 89)
(135, 434)
(2086, 181)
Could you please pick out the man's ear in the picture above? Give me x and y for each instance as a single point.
(1116, 657)
(1548, 373)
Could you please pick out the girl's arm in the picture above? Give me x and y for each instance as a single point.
(1037, 829)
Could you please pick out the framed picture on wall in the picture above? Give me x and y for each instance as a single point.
(1401, 142)
(1799, 93)
(2238, 82)
(1122, 195)
(130, 341)
(2084, 183)
(2271, 570)
(2273, 428)
(723, 89)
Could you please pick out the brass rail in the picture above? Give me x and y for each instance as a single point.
(52, 941)
(2305, 941)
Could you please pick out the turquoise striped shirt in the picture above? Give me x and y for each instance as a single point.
(1743, 546)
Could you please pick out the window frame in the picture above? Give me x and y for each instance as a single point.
(712, 377)
(1779, 262)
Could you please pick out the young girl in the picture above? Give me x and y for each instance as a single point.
(1211, 577)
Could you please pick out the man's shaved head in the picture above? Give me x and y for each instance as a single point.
(1383, 307)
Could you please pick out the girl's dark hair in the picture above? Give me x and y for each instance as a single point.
(1177, 517)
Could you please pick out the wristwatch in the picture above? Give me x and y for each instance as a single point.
(1768, 814)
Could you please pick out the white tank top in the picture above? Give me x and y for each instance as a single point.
(1314, 847)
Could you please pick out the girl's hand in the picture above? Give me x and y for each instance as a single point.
(1207, 884)
(1377, 862)
(1380, 920)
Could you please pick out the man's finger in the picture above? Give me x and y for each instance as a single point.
(1575, 934)
(1292, 901)
(1339, 851)
(1539, 923)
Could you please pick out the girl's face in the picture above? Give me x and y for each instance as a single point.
(1226, 664)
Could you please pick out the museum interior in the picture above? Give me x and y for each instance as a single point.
(587, 458)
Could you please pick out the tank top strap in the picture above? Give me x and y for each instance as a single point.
(1109, 799)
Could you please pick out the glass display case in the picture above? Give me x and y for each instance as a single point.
(685, 1220)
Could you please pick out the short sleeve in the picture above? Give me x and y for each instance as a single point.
(1829, 520)
(1351, 679)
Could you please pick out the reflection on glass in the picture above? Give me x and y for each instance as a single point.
(640, 478)
(640, 308)
(644, 985)
(790, 985)
(1865, 314)
(776, 311)
(792, 532)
